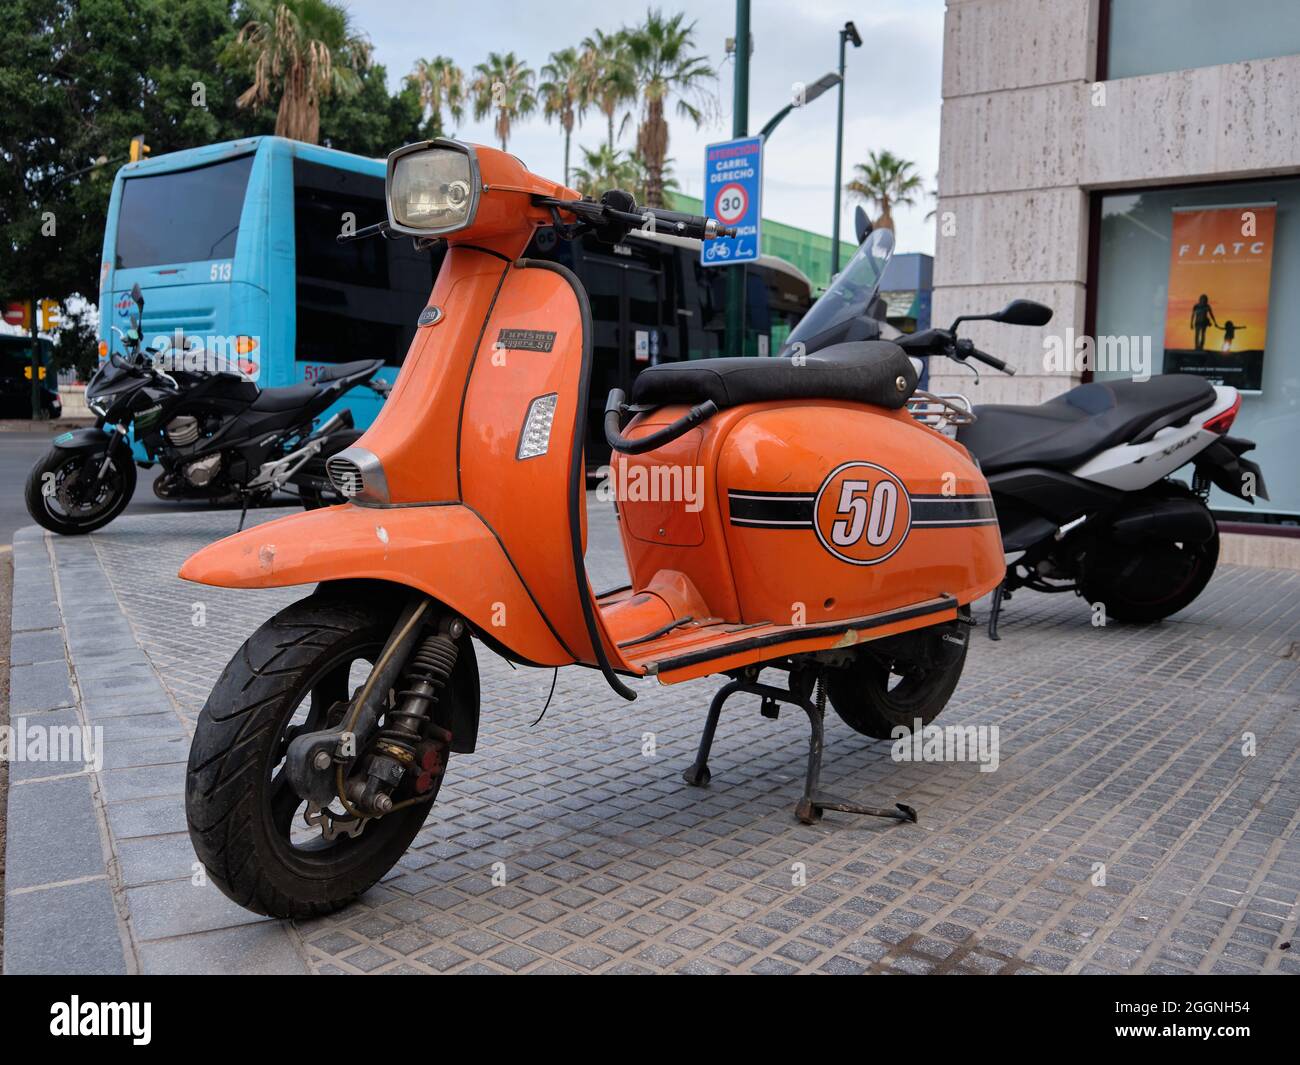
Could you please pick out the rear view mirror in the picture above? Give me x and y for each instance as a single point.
(861, 223)
(137, 296)
(1023, 312)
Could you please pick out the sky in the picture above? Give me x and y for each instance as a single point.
(892, 92)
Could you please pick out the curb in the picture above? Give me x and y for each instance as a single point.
(100, 875)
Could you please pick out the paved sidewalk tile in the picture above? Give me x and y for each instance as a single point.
(39, 686)
(70, 929)
(52, 833)
(250, 950)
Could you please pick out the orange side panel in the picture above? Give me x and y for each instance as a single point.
(444, 551)
(794, 477)
(531, 350)
(414, 434)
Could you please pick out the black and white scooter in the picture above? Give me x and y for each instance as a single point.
(1082, 487)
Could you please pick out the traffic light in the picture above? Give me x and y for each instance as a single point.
(138, 148)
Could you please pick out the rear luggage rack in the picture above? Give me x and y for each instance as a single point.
(944, 411)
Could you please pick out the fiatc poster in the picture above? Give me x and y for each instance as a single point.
(1221, 262)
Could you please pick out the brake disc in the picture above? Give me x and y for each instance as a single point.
(333, 825)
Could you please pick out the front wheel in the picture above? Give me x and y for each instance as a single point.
(74, 492)
(899, 681)
(249, 827)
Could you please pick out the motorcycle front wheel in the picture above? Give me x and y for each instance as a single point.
(248, 825)
(66, 495)
(900, 680)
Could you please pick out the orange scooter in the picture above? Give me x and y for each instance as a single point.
(779, 513)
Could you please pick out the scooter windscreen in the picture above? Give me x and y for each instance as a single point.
(842, 313)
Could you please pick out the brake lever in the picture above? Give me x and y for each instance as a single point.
(379, 229)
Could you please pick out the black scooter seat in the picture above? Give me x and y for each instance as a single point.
(864, 371)
(1073, 427)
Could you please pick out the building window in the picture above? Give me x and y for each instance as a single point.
(1158, 252)
(1158, 36)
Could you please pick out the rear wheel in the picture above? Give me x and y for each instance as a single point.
(900, 680)
(1148, 581)
(294, 674)
(66, 494)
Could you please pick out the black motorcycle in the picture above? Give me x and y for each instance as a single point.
(214, 432)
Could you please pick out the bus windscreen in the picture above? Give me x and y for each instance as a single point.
(184, 216)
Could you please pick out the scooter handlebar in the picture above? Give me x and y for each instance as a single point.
(642, 444)
(992, 360)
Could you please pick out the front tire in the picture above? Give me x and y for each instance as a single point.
(294, 671)
(65, 495)
(900, 680)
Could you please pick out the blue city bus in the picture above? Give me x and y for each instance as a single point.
(233, 246)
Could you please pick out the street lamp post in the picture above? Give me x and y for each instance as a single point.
(848, 33)
(810, 93)
(739, 128)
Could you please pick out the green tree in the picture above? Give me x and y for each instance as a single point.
(666, 67)
(440, 84)
(604, 168)
(299, 52)
(607, 80)
(79, 79)
(503, 84)
(885, 181)
(371, 121)
(561, 95)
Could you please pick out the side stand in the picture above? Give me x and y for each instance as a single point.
(810, 807)
(995, 609)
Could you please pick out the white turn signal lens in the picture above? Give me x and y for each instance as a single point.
(535, 438)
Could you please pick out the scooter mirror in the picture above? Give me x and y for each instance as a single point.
(861, 223)
(137, 296)
(1024, 312)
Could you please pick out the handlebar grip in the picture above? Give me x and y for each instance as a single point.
(992, 360)
(659, 437)
(690, 225)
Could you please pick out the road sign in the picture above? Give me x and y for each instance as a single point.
(733, 193)
(16, 313)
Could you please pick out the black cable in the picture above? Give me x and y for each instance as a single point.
(548, 700)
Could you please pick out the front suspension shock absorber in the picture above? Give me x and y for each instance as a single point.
(400, 744)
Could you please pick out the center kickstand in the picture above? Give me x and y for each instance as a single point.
(810, 806)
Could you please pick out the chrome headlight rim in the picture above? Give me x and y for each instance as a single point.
(475, 186)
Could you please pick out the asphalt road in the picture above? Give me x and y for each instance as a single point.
(19, 451)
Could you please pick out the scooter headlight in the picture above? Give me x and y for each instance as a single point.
(432, 188)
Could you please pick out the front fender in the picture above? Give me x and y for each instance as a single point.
(85, 439)
(443, 550)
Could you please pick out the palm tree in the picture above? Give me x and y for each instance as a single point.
(607, 80)
(561, 95)
(664, 66)
(441, 83)
(604, 168)
(504, 84)
(885, 181)
(301, 51)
